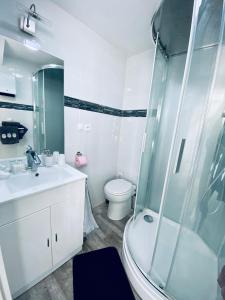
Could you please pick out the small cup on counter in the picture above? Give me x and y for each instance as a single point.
(47, 158)
(61, 161)
(56, 157)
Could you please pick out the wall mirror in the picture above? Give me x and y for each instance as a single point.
(31, 99)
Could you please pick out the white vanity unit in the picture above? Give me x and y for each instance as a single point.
(41, 223)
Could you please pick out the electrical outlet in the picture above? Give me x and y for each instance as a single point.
(87, 127)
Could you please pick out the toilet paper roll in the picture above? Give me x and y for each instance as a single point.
(80, 161)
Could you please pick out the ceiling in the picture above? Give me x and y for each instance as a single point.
(124, 23)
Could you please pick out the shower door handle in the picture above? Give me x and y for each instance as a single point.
(180, 156)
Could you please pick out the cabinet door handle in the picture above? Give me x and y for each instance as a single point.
(56, 237)
(48, 243)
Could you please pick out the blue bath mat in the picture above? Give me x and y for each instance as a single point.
(99, 275)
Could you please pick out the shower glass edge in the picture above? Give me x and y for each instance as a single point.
(203, 60)
(177, 281)
(206, 228)
(154, 113)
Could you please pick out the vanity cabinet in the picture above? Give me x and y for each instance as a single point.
(26, 249)
(65, 219)
(40, 232)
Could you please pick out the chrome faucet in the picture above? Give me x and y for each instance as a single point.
(33, 161)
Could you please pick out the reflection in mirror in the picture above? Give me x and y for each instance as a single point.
(48, 107)
(31, 100)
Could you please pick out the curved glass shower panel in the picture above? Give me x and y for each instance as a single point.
(163, 108)
(164, 93)
(204, 215)
(194, 261)
(152, 129)
(140, 247)
(181, 249)
(175, 69)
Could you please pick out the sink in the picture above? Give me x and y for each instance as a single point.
(28, 180)
(22, 184)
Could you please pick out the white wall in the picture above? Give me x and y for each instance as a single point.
(137, 80)
(136, 96)
(94, 71)
(22, 71)
(100, 145)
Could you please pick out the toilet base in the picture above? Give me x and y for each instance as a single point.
(117, 211)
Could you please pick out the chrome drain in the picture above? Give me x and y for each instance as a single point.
(148, 218)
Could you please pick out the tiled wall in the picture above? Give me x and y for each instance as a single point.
(25, 117)
(94, 72)
(136, 96)
(100, 143)
(21, 104)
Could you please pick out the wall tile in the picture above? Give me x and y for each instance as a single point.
(25, 117)
(100, 144)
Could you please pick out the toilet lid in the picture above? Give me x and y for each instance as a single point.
(118, 186)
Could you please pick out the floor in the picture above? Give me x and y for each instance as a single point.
(58, 285)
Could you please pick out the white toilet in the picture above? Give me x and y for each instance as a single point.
(119, 192)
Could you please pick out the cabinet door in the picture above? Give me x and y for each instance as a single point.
(67, 228)
(26, 249)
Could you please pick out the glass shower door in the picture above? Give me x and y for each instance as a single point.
(185, 260)
(200, 250)
(151, 137)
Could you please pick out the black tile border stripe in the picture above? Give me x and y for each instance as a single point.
(135, 113)
(90, 106)
(84, 105)
(10, 105)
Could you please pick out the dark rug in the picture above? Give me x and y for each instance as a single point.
(99, 275)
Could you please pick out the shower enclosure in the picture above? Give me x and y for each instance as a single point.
(174, 246)
(48, 96)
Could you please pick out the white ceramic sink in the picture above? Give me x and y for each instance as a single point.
(27, 183)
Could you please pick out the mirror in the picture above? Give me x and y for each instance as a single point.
(31, 100)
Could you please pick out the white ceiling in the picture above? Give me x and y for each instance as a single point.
(124, 23)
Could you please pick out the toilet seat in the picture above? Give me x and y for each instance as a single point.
(118, 187)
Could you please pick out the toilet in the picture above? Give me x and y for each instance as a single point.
(119, 192)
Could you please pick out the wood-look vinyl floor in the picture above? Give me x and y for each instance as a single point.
(59, 285)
